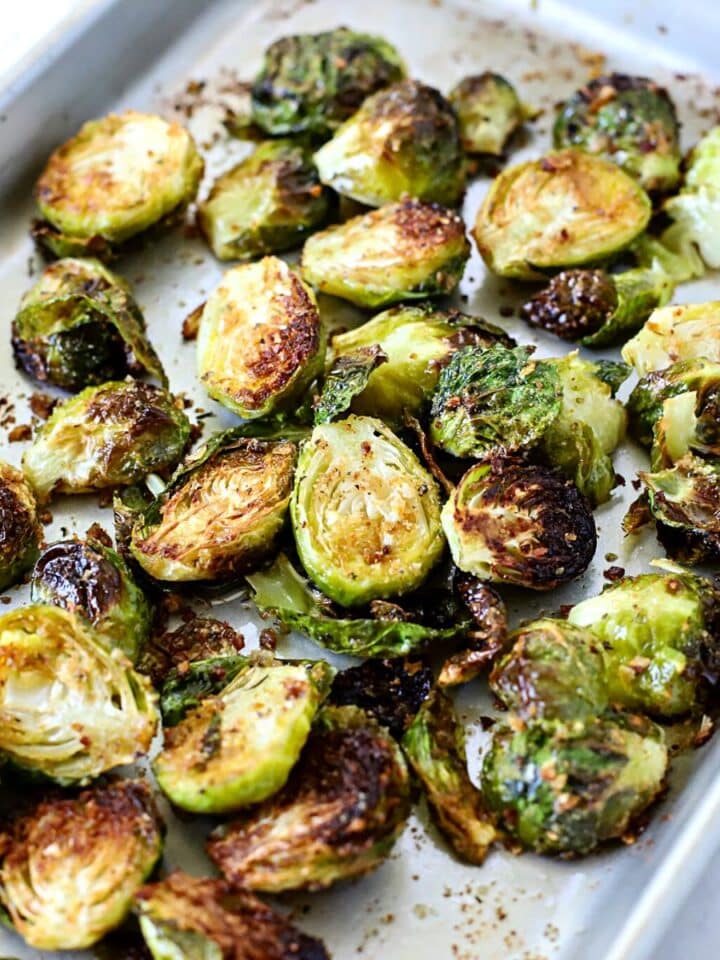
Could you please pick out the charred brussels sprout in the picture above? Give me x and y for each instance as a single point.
(313, 82)
(90, 579)
(267, 203)
(489, 111)
(20, 530)
(512, 522)
(238, 747)
(630, 121)
(221, 513)
(71, 866)
(562, 791)
(418, 341)
(553, 671)
(391, 691)
(69, 707)
(403, 141)
(187, 918)
(260, 341)
(345, 804)
(403, 251)
(80, 326)
(696, 209)
(673, 333)
(200, 639)
(567, 209)
(365, 513)
(106, 436)
(435, 746)
(116, 178)
(495, 401)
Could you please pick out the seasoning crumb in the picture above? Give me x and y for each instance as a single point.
(20, 433)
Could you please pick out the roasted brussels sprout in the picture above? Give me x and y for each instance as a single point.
(553, 671)
(673, 333)
(71, 866)
(188, 918)
(630, 121)
(403, 141)
(596, 308)
(187, 685)
(489, 111)
(365, 513)
(116, 178)
(106, 436)
(559, 790)
(567, 209)
(313, 82)
(200, 639)
(69, 707)
(403, 251)
(79, 326)
(238, 747)
(345, 804)
(696, 208)
(267, 203)
(221, 513)
(346, 379)
(417, 341)
(260, 341)
(492, 402)
(390, 691)
(655, 631)
(20, 530)
(90, 579)
(513, 522)
(487, 636)
(435, 746)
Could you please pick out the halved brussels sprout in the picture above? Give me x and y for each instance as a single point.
(115, 178)
(201, 639)
(567, 209)
(365, 513)
(493, 401)
(187, 685)
(403, 251)
(80, 326)
(403, 141)
(435, 746)
(71, 866)
(188, 918)
(260, 341)
(567, 791)
(238, 747)
(90, 579)
(513, 522)
(339, 815)
(487, 636)
(390, 691)
(655, 631)
(313, 82)
(20, 530)
(221, 513)
(106, 436)
(417, 341)
(69, 707)
(630, 121)
(673, 333)
(553, 671)
(267, 203)
(489, 111)
(696, 209)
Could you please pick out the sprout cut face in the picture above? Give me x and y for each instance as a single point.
(260, 341)
(567, 209)
(365, 513)
(403, 251)
(678, 332)
(489, 111)
(696, 208)
(72, 866)
(20, 529)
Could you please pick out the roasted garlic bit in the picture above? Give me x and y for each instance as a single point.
(403, 251)
(71, 866)
(339, 815)
(261, 341)
(20, 530)
(70, 708)
(489, 111)
(678, 332)
(403, 141)
(313, 82)
(116, 178)
(695, 210)
(567, 209)
(106, 436)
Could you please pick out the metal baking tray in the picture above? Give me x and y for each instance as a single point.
(112, 54)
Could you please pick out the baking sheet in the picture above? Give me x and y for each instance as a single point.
(422, 903)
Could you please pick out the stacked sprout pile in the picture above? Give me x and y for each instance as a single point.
(382, 487)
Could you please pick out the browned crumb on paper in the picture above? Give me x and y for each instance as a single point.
(42, 404)
(20, 433)
(96, 532)
(592, 59)
(191, 323)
